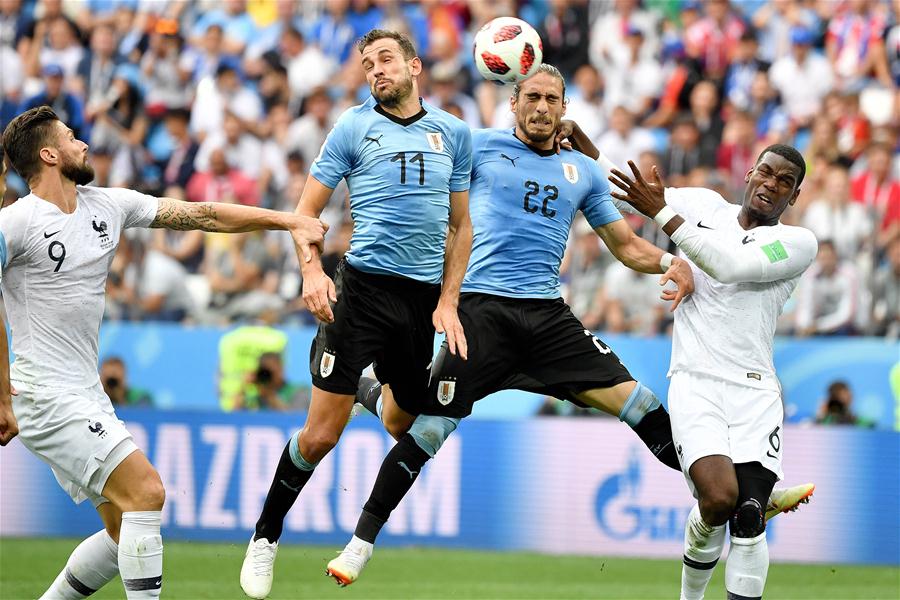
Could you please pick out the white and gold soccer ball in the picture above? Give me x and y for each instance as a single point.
(508, 50)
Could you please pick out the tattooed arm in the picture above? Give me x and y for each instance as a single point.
(234, 218)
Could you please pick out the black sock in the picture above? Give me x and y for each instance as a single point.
(283, 492)
(367, 394)
(398, 472)
(655, 430)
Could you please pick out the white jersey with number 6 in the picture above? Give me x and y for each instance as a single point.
(54, 269)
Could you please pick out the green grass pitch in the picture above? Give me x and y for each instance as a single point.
(211, 571)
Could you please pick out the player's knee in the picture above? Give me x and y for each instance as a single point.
(749, 520)
(314, 445)
(149, 494)
(718, 505)
(429, 432)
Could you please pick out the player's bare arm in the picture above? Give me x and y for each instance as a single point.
(234, 218)
(8, 426)
(638, 254)
(318, 288)
(456, 259)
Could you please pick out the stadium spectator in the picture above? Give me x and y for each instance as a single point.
(713, 39)
(333, 33)
(307, 133)
(623, 140)
(775, 19)
(741, 71)
(114, 377)
(179, 166)
(64, 103)
(834, 217)
(267, 388)
(586, 97)
(855, 45)
(827, 295)
(885, 319)
(632, 79)
(608, 31)
(446, 89)
(242, 276)
(565, 32)
(222, 183)
(878, 190)
(239, 353)
(161, 291)
(307, 67)
(56, 42)
(684, 154)
(226, 93)
(237, 26)
(737, 153)
(203, 57)
(95, 71)
(802, 77)
(632, 302)
(243, 150)
(166, 81)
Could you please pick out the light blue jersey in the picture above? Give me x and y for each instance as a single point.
(400, 173)
(522, 203)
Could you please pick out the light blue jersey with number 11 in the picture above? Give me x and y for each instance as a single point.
(400, 173)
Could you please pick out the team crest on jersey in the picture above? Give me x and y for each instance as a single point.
(105, 241)
(446, 390)
(435, 141)
(571, 172)
(326, 365)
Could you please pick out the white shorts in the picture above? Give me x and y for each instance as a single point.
(712, 416)
(78, 434)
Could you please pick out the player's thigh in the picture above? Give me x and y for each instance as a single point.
(494, 356)
(343, 348)
(135, 485)
(700, 425)
(396, 420)
(570, 360)
(756, 418)
(77, 433)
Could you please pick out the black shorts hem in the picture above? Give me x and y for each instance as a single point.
(334, 388)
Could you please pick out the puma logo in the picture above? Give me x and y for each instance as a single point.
(372, 139)
(512, 160)
(412, 474)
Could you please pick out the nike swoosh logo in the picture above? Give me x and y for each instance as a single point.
(50, 235)
(702, 226)
(747, 239)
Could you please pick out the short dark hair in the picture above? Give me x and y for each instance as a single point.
(406, 45)
(25, 136)
(788, 152)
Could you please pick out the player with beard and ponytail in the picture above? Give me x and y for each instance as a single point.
(56, 246)
(407, 165)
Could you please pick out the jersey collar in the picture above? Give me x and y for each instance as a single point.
(400, 121)
(538, 151)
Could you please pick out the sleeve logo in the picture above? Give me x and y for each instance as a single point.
(775, 252)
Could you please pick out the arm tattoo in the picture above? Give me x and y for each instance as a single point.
(175, 214)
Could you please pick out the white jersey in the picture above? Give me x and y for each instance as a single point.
(54, 269)
(726, 328)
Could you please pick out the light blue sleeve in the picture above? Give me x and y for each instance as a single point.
(597, 206)
(462, 159)
(335, 160)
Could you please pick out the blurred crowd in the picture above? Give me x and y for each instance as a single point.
(230, 101)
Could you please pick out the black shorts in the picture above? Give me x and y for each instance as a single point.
(527, 344)
(381, 319)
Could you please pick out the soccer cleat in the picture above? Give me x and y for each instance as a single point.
(258, 569)
(345, 569)
(789, 499)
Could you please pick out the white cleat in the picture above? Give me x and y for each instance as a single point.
(345, 569)
(789, 499)
(258, 569)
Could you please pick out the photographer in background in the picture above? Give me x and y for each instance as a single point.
(114, 378)
(268, 390)
(836, 408)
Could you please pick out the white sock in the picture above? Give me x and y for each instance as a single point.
(91, 565)
(747, 567)
(702, 547)
(141, 554)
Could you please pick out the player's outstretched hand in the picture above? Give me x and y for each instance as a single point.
(680, 273)
(446, 320)
(648, 198)
(307, 232)
(9, 428)
(319, 294)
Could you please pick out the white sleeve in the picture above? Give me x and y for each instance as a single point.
(138, 210)
(731, 261)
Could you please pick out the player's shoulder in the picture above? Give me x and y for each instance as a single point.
(356, 113)
(698, 194)
(483, 137)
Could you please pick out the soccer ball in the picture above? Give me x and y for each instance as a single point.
(508, 50)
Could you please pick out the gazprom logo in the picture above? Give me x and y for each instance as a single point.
(624, 514)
